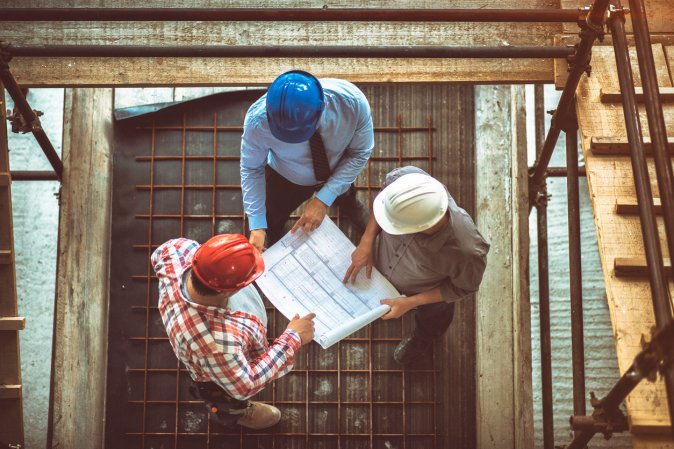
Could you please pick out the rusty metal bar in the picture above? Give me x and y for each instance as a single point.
(560, 172)
(658, 280)
(291, 14)
(590, 32)
(28, 114)
(33, 175)
(575, 270)
(544, 281)
(288, 51)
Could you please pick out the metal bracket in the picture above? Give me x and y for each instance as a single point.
(655, 357)
(19, 123)
(606, 422)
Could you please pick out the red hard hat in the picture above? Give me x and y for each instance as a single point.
(227, 262)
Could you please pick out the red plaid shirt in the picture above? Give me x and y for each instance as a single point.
(219, 345)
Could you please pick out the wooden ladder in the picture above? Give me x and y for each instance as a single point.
(11, 406)
(611, 183)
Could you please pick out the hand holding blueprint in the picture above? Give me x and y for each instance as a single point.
(304, 274)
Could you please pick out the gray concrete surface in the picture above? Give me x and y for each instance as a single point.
(35, 234)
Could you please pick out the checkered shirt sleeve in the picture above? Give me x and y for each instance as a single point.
(226, 347)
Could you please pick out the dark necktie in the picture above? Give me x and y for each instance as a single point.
(319, 158)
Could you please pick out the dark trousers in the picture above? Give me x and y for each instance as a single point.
(222, 408)
(433, 319)
(283, 197)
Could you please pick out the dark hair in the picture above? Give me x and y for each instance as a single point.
(200, 287)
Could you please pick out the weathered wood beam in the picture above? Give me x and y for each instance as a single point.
(14, 323)
(604, 145)
(635, 267)
(10, 391)
(504, 383)
(615, 96)
(81, 321)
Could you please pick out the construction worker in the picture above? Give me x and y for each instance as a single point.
(428, 248)
(304, 136)
(216, 323)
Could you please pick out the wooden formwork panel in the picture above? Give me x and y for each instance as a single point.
(610, 178)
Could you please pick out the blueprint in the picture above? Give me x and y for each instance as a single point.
(303, 274)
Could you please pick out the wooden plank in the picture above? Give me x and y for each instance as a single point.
(10, 391)
(179, 72)
(615, 96)
(608, 146)
(658, 14)
(504, 395)
(561, 66)
(635, 267)
(80, 325)
(11, 412)
(640, 441)
(6, 257)
(15, 323)
(251, 71)
(630, 206)
(285, 4)
(629, 299)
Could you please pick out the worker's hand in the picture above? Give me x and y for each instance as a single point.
(361, 257)
(312, 217)
(257, 237)
(399, 307)
(303, 326)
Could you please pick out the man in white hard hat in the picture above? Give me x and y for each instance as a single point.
(427, 247)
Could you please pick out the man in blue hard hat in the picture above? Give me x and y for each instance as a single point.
(305, 139)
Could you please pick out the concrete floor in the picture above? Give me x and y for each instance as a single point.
(35, 234)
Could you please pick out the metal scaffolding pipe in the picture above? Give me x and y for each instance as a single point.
(29, 116)
(561, 172)
(645, 364)
(656, 120)
(656, 271)
(544, 283)
(33, 175)
(595, 21)
(290, 51)
(291, 14)
(575, 271)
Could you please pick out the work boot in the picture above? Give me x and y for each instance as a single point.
(259, 416)
(412, 349)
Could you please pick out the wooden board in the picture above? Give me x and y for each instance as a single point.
(80, 323)
(629, 205)
(630, 303)
(251, 71)
(602, 145)
(128, 72)
(11, 406)
(14, 323)
(615, 96)
(659, 14)
(561, 66)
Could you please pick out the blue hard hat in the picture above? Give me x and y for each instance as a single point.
(294, 106)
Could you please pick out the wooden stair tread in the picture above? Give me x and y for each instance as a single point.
(12, 323)
(602, 145)
(635, 266)
(615, 96)
(629, 206)
(10, 391)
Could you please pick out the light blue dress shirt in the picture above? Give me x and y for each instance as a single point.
(348, 135)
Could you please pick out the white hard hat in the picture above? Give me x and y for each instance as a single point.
(412, 203)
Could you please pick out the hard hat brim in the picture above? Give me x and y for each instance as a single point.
(294, 136)
(390, 227)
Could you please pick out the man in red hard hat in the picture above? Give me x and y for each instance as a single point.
(216, 323)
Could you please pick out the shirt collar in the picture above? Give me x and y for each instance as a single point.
(436, 241)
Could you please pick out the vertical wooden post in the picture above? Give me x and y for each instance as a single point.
(81, 318)
(11, 405)
(504, 396)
